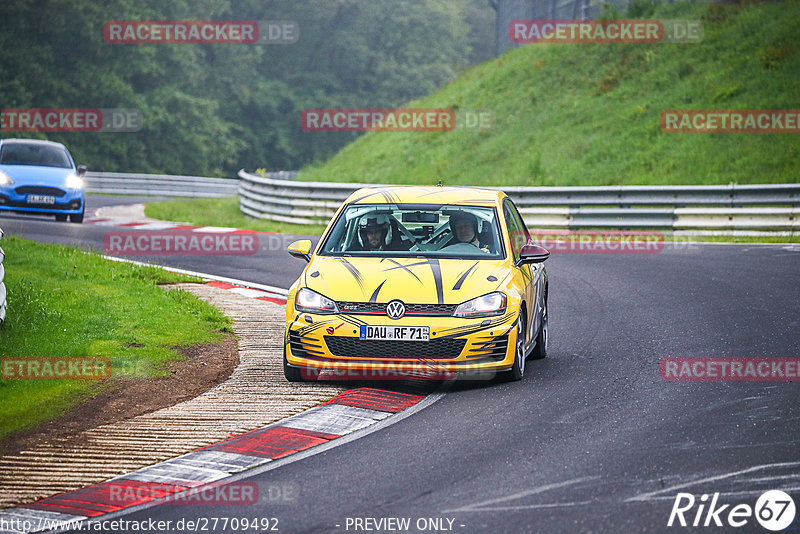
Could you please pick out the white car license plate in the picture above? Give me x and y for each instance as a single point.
(41, 199)
(396, 333)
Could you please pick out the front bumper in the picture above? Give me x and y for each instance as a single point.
(328, 343)
(71, 203)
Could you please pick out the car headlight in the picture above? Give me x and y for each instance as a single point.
(485, 306)
(74, 182)
(311, 301)
(5, 179)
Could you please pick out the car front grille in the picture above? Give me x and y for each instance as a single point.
(378, 308)
(435, 349)
(40, 190)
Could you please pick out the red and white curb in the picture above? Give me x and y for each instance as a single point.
(350, 411)
(260, 294)
(155, 225)
(247, 289)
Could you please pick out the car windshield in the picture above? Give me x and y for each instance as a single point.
(415, 230)
(34, 154)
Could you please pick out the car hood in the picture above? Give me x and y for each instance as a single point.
(415, 280)
(36, 175)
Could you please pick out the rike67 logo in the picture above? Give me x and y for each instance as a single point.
(774, 510)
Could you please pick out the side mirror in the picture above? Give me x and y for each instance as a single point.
(81, 171)
(301, 249)
(531, 253)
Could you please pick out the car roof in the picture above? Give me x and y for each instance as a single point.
(33, 142)
(413, 194)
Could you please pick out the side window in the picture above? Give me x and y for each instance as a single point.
(521, 224)
(515, 235)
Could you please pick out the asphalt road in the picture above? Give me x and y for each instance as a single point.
(592, 439)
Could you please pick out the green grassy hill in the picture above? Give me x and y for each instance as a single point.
(588, 114)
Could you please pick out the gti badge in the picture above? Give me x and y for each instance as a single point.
(395, 309)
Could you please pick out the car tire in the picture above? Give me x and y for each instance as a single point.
(540, 349)
(61, 217)
(517, 370)
(292, 374)
(77, 218)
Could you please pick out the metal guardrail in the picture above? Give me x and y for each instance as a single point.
(3, 303)
(721, 207)
(159, 185)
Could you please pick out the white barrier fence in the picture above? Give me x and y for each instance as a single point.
(159, 185)
(724, 207)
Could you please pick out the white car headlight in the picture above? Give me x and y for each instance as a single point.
(74, 182)
(5, 179)
(311, 301)
(485, 306)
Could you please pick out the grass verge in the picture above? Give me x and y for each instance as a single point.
(64, 302)
(221, 212)
(588, 114)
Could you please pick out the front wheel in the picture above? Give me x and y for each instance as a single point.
(61, 217)
(292, 374)
(540, 350)
(517, 370)
(77, 218)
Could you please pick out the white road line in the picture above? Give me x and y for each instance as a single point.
(673, 489)
(522, 507)
(214, 229)
(478, 507)
(742, 493)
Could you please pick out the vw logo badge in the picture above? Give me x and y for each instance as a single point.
(395, 309)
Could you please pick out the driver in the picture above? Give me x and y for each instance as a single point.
(464, 227)
(374, 232)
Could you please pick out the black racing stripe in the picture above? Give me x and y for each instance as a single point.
(464, 277)
(437, 278)
(355, 272)
(405, 268)
(374, 296)
(373, 193)
(432, 193)
(352, 320)
(470, 329)
(387, 196)
(316, 325)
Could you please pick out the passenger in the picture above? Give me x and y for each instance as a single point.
(464, 227)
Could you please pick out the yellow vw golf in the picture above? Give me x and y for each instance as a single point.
(413, 282)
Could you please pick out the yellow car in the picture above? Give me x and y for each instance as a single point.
(411, 282)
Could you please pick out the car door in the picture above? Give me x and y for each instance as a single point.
(536, 295)
(518, 236)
